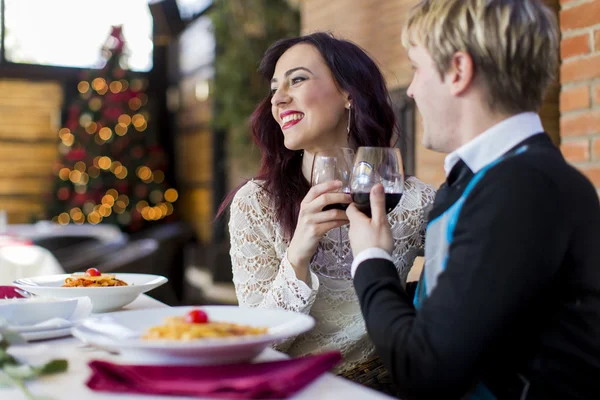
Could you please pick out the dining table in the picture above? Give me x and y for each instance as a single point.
(71, 385)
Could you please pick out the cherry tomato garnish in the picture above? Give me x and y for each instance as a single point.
(196, 317)
(92, 272)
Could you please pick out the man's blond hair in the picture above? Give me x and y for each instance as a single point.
(514, 45)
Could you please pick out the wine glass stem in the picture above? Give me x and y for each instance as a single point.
(340, 249)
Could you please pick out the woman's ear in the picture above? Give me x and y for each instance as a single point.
(347, 100)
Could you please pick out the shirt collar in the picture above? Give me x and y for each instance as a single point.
(495, 141)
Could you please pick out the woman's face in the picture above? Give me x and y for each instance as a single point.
(306, 102)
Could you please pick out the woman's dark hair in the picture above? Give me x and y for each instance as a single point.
(373, 121)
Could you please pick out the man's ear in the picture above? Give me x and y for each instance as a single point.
(461, 73)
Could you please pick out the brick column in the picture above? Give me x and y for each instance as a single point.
(580, 80)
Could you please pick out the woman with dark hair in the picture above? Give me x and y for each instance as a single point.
(325, 93)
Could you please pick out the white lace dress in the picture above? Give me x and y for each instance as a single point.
(263, 276)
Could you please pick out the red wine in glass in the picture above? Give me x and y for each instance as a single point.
(361, 199)
(377, 165)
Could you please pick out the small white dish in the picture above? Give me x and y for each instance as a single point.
(46, 334)
(103, 299)
(281, 324)
(33, 310)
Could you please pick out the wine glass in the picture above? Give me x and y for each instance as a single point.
(329, 165)
(373, 165)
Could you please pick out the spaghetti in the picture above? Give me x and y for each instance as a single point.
(83, 280)
(178, 328)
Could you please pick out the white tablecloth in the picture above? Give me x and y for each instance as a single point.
(71, 385)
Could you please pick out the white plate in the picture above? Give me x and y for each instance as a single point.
(47, 334)
(103, 298)
(282, 324)
(33, 310)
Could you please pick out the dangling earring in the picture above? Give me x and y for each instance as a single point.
(349, 118)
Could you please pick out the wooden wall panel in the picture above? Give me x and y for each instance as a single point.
(29, 115)
(195, 157)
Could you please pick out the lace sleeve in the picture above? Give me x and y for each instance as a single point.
(262, 275)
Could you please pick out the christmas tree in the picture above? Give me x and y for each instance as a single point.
(110, 168)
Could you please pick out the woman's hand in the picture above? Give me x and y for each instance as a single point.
(314, 223)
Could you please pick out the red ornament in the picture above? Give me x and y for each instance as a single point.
(76, 155)
(80, 199)
(63, 193)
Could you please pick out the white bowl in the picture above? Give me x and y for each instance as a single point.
(122, 333)
(103, 299)
(31, 311)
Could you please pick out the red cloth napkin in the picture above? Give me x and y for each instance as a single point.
(8, 292)
(267, 380)
(9, 240)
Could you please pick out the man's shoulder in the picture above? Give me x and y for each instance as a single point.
(537, 168)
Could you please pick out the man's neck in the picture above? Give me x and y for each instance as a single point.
(476, 123)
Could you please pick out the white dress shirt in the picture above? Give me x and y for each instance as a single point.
(477, 153)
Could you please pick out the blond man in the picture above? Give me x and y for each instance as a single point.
(508, 305)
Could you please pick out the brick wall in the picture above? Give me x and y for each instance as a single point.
(580, 81)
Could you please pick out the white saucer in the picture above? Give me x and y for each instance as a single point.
(47, 334)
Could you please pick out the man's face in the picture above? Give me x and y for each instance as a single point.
(434, 101)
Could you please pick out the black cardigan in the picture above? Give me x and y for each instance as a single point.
(518, 305)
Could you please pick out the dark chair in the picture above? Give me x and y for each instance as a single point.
(79, 257)
(56, 243)
(139, 256)
(169, 261)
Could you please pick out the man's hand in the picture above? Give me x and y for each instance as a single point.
(368, 232)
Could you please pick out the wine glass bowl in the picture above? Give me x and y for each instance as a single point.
(329, 165)
(377, 165)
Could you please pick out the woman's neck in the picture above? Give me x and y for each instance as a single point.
(307, 162)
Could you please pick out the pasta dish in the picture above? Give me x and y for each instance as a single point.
(191, 327)
(82, 280)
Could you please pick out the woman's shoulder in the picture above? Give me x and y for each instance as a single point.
(414, 184)
(418, 192)
(252, 188)
(252, 193)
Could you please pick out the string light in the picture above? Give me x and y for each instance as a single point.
(64, 218)
(135, 103)
(171, 195)
(116, 86)
(68, 139)
(125, 84)
(144, 173)
(159, 176)
(95, 104)
(104, 162)
(64, 174)
(83, 87)
(141, 205)
(91, 128)
(124, 119)
(98, 84)
(120, 129)
(80, 166)
(105, 133)
(121, 172)
(75, 176)
(63, 132)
